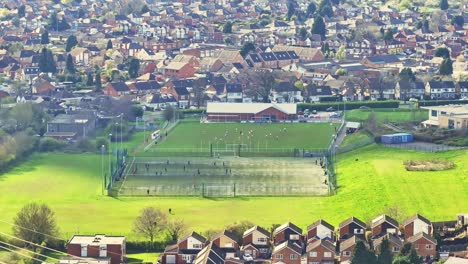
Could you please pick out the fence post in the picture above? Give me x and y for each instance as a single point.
(234, 189)
(211, 149)
(203, 190)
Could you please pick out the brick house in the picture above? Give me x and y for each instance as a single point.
(98, 246)
(416, 224)
(347, 248)
(424, 244)
(256, 243)
(320, 229)
(352, 227)
(116, 89)
(287, 232)
(178, 70)
(394, 243)
(211, 254)
(288, 252)
(227, 243)
(185, 251)
(181, 94)
(321, 252)
(382, 225)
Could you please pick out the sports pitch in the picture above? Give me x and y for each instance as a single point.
(193, 135)
(224, 176)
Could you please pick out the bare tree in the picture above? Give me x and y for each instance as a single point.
(150, 222)
(199, 86)
(176, 228)
(395, 212)
(263, 83)
(36, 224)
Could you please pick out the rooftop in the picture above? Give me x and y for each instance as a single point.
(97, 240)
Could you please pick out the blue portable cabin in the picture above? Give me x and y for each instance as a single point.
(397, 138)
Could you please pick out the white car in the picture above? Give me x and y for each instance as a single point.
(247, 257)
(413, 100)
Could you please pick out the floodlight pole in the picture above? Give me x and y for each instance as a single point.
(103, 148)
(110, 151)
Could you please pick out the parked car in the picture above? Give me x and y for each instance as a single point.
(247, 257)
(314, 112)
(330, 109)
(413, 100)
(364, 107)
(335, 115)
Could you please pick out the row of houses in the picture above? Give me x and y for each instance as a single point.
(286, 244)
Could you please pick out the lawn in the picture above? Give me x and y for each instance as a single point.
(370, 179)
(354, 138)
(388, 115)
(195, 135)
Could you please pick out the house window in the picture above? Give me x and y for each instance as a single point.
(292, 256)
(291, 237)
(262, 239)
(197, 245)
(263, 250)
(428, 247)
(103, 251)
(327, 254)
(346, 253)
(279, 256)
(248, 252)
(396, 249)
(358, 231)
(313, 254)
(434, 113)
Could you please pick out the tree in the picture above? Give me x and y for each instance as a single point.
(109, 45)
(444, 5)
(71, 42)
(266, 84)
(246, 48)
(133, 67)
(89, 79)
(45, 37)
(303, 32)
(169, 113)
(388, 34)
(21, 11)
(199, 87)
(150, 222)
(227, 28)
(458, 21)
(442, 52)
(36, 224)
(55, 24)
(97, 81)
(413, 257)
(46, 61)
(311, 8)
(340, 53)
(362, 255)
(325, 8)
(291, 11)
(401, 260)
(446, 67)
(70, 66)
(175, 229)
(319, 26)
(341, 72)
(407, 74)
(238, 229)
(145, 9)
(385, 256)
(137, 111)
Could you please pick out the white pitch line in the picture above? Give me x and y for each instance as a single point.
(125, 173)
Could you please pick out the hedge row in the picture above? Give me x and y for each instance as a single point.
(349, 105)
(193, 111)
(441, 102)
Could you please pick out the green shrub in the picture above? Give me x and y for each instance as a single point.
(100, 142)
(51, 144)
(348, 105)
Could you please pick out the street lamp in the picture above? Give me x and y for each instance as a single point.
(110, 151)
(103, 149)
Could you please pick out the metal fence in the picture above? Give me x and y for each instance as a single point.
(422, 146)
(355, 145)
(224, 190)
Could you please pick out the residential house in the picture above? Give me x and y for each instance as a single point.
(304, 54)
(406, 89)
(352, 227)
(347, 248)
(70, 126)
(441, 90)
(143, 87)
(178, 70)
(416, 224)
(227, 243)
(116, 89)
(320, 229)
(181, 94)
(234, 93)
(287, 252)
(384, 224)
(424, 244)
(210, 254)
(314, 93)
(256, 243)
(42, 85)
(286, 92)
(285, 232)
(81, 55)
(184, 251)
(98, 247)
(321, 251)
(462, 89)
(394, 243)
(160, 101)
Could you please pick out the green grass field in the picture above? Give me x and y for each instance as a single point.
(195, 135)
(354, 138)
(71, 185)
(388, 115)
(251, 176)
